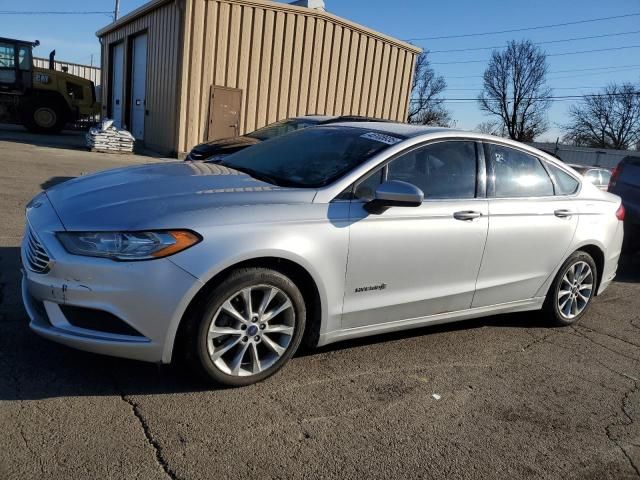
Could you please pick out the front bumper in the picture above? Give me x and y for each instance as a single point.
(149, 296)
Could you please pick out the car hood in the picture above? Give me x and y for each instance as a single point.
(162, 195)
(225, 146)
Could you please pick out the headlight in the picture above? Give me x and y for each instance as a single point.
(128, 245)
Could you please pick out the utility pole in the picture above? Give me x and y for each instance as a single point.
(116, 11)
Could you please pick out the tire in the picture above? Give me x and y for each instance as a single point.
(568, 308)
(225, 318)
(43, 115)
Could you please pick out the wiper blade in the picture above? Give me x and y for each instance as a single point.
(255, 174)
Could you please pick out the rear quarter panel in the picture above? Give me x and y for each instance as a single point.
(598, 226)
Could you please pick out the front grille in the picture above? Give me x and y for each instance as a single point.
(37, 258)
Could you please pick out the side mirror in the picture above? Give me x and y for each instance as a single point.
(394, 193)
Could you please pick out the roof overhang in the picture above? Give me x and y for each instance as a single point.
(131, 16)
(283, 7)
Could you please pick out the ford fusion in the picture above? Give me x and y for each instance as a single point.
(324, 234)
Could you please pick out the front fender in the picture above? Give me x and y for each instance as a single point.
(318, 246)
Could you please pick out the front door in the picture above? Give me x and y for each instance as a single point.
(138, 85)
(117, 83)
(412, 262)
(224, 113)
(531, 227)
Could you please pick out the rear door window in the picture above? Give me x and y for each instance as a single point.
(513, 173)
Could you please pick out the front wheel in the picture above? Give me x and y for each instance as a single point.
(572, 289)
(250, 327)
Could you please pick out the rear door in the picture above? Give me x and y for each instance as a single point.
(530, 227)
(412, 262)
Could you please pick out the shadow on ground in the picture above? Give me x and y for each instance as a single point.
(33, 368)
(66, 139)
(629, 269)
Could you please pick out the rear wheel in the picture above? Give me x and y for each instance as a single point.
(572, 290)
(43, 115)
(249, 328)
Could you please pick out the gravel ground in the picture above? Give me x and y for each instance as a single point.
(501, 397)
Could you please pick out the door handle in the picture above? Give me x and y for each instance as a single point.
(466, 215)
(562, 213)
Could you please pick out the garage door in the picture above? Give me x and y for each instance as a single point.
(117, 83)
(138, 85)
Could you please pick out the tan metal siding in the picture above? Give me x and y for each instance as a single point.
(163, 27)
(287, 61)
(285, 68)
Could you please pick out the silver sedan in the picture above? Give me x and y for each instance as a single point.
(324, 234)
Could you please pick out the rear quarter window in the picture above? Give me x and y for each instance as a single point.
(565, 184)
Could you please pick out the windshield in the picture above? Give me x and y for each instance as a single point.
(279, 128)
(312, 157)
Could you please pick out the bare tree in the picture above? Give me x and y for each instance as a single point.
(515, 90)
(490, 128)
(610, 119)
(426, 107)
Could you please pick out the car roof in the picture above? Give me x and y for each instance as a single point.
(394, 128)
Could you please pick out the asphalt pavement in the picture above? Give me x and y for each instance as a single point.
(500, 397)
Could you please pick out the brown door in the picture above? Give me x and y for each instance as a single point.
(224, 113)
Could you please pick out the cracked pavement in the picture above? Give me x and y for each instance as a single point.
(517, 399)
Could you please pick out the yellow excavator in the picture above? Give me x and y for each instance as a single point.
(43, 100)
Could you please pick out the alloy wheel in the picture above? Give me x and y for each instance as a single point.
(576, 290)
(251, 330)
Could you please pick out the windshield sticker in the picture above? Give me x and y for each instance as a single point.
(381, 137)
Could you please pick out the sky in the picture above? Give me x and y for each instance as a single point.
(73, 37)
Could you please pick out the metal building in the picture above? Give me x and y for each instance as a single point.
(179, 72)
